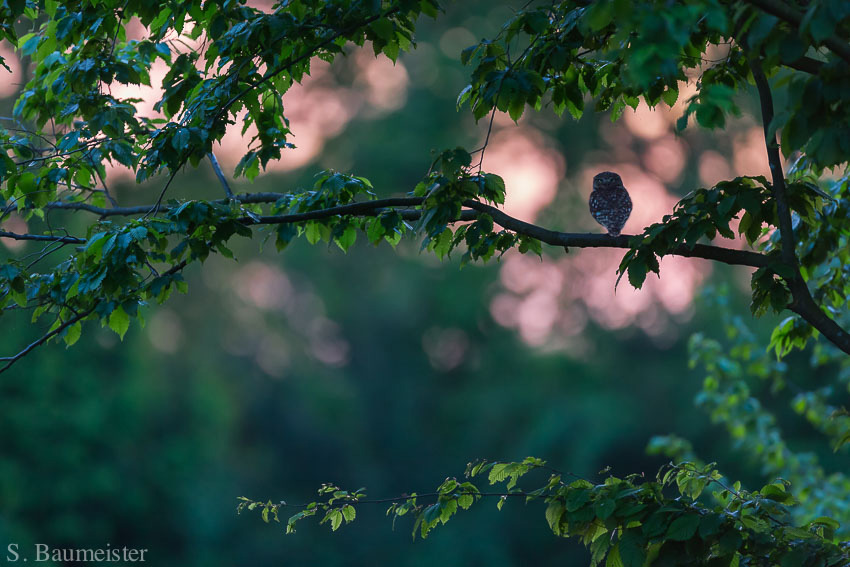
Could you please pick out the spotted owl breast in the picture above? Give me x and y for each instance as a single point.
(611, 208)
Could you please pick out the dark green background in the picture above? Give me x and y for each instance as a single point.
(120, 443)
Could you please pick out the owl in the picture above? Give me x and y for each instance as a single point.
(609, 202)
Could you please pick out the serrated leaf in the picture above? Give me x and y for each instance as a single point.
(336, 519)
(72, 333)
(604, 507)
(670, 96)
(553, 516)
(313, 232)
(497, 473)
(683, 528)
(613, 558)
(465, 501)
(347, 239)
(637, 273)
(631, 547)
(119, 321)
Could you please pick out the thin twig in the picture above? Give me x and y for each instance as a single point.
(10, 360)
(218, 173)
(155, 209)
(42, 237)
(288, 64)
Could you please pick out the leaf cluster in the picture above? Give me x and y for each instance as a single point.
(625, 521)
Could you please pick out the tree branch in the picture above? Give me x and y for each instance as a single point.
(143, 209)
(807, 65)
(591, 240)
(294, 61)
(785, 12)
(786, 231)
(42, 237)
(10, 360)
(373, 208)
(218, 173)
(406, 207)
(560, 239)
(802, 302)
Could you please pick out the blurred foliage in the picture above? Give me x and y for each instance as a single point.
(147, 444)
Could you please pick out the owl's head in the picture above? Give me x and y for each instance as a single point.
(606, 180)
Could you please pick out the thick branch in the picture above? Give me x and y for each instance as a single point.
(785, 12)
(590, 240)
(560, 239)
(807, 65)
(373, 208)
(802, 302)
(786, 231)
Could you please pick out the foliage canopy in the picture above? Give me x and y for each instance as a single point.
(561, 55)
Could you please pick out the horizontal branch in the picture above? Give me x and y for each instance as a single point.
(42, 237)
(406, 207)
(561, 239)
(590, 240)
(807, 65)
(409, 497)
(373, 208)
(250, 198)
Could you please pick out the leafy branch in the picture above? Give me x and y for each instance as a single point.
(790, 14)
(802, 303)
(630, 521)
(453, 207)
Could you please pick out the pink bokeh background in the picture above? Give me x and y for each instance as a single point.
(548, 301)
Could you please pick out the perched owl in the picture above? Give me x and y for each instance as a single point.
(609, 202)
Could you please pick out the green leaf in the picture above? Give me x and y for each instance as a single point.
(599, 15)
(336, 518)
(613, 558)
(554, 512)
(384, 29)
(842, 441)
(72, 333)
(181, 139)
(313, 232)
(604, 507)
(637, 272)
(670, 96)
(465, 501)
(347, 239)
(729, 542)
(631, 547)
(684, 527)
(376, 231)
(119, 321)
